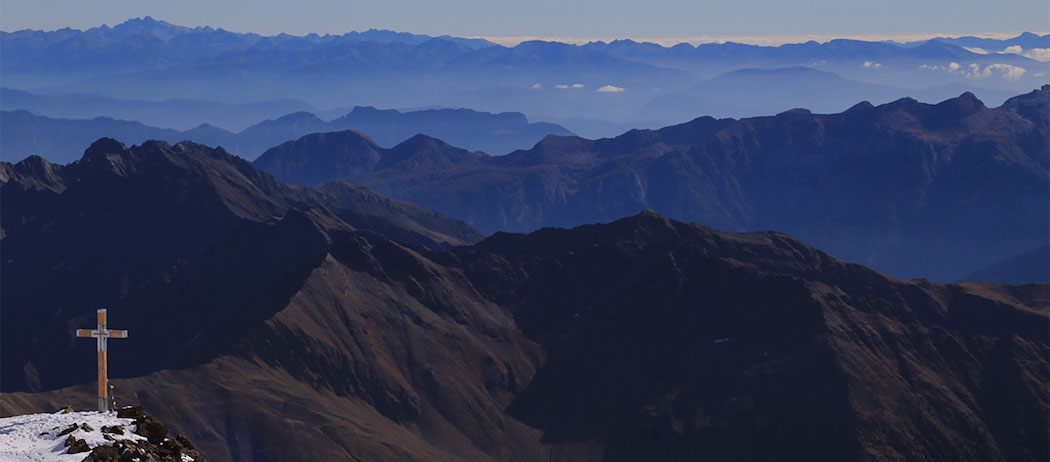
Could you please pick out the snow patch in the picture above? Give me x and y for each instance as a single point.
(35, 437)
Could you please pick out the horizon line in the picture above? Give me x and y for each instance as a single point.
(666, 41)
(749, 39)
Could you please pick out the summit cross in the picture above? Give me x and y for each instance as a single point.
(102, 334)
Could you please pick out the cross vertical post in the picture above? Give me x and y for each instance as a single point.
(102, 334)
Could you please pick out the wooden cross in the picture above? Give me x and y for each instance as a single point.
(102, 334)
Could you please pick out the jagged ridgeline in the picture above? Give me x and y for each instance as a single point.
(936, 191)
(277, 322)
(28, 133)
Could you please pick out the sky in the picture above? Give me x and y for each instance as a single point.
(573, 19)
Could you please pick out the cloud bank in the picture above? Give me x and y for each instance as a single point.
(975, 71)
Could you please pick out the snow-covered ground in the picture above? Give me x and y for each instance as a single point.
(34, 437)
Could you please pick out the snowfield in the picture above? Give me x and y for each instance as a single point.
(34, 437)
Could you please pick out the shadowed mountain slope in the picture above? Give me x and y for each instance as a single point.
(640, 339)
(86, 234)
(913, 189)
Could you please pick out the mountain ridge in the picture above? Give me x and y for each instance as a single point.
(715, 171)
(496, 133)
(265, 312)
(554, 79)
(708, 364)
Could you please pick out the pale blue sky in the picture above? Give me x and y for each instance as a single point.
(553, 18)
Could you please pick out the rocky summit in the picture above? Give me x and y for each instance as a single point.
(290, 334)
(127, 435)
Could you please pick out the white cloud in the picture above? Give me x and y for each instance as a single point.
(975, 71)
(1038, 54)
(980, 51)
(577, 85)
(563, 86)
(610, 89)
(1008, 71)
(537, 86)
(872, 64)
(951, 67)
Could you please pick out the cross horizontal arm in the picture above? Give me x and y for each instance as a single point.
(84, 332)
(118, 333)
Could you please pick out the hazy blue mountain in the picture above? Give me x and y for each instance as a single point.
(478, 131)
(1026, 41)
(913, 189)
(180, 114)
(598, 128)
(26, 134)
(911, 69)
(748, 92)
(63, 140)
(144, 43)
(838, 51)
(149, 60)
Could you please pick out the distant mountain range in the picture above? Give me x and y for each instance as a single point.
(294, 324)
(150, 60)
(180, 114)
(143, 43)
(26, 134)
(750, 92)
(912, 189)
(1027, 41)
(338, 299)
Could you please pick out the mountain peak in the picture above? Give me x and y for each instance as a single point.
(103, 147)
(299, 117)
(905, 102)
(420, 139)
(861, 106)
(33, 172)
(648, 216)
(795, 111)
(962, 105)
(34, 163)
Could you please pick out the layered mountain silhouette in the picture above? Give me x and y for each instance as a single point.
(1026, 40)
(149, 60)
(26, 134)
(265, 324)
(146, 43)
(913, 189)
(747, 92)
(176, 113)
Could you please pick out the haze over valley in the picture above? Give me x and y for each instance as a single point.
(426, 240)
(176, 77)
